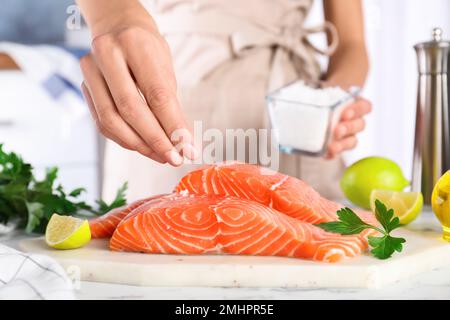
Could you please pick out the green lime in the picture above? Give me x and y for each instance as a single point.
(65, 232)
(368, 174)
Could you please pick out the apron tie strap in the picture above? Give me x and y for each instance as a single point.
(290, 38)
(244, 32)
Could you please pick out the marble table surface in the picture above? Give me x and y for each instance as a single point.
(433, 285)
(430, 285)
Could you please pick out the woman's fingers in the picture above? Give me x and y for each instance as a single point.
(90, 103)
(345, 137)
(349, 128)
(358, 109)
(105, 114)
(337, 147)
(130, 104)
(156, 81)
(351, 123)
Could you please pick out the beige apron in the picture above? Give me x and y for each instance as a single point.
(228, 54)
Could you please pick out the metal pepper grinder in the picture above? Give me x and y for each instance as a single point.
(432, 136)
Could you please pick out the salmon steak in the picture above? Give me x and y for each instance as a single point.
(104, 226)
(202, 224)
(283, 193)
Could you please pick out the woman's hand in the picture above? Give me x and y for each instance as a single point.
(350, 124)
(130, 86)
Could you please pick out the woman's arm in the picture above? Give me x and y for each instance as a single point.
(104, 15)
(130, 60)
(348, 67)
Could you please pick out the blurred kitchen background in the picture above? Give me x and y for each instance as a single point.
(43, 116)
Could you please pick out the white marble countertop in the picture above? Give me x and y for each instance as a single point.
(431, 285)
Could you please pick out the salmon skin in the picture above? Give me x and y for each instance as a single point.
(193, 224)
(104, 226)
(286, 194)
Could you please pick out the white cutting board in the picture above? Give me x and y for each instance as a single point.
(424, 251)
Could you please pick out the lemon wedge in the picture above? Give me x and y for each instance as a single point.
(65, 232)
(406, 205)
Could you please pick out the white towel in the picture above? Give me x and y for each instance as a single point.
(30, 276)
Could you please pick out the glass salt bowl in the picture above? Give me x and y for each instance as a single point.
(302, 127)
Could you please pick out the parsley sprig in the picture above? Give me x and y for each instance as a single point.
(32, 202)
(349, 223)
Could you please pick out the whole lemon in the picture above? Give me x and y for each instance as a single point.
(368, 174)
(440, 202)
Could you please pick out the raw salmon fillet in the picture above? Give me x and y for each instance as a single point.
(104, 226)
(286, 194)
(193, 224)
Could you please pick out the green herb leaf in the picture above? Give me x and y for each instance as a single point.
(32, 202)
(75, 193)
(349, 223)
(35, 214)
(46, 185)
(384, 247)
(385, 217)
(118, 201)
